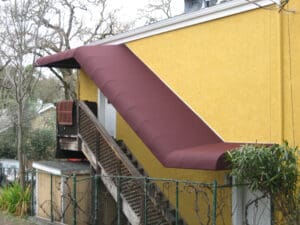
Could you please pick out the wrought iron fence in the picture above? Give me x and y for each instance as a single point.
(85, 200)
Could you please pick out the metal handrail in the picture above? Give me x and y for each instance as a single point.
(109, 140)
(120, 155)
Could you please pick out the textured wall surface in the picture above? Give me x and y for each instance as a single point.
(226, 70)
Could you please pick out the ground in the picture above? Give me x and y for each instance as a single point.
(6, 219)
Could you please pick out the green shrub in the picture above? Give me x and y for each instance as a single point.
(8, 144)
(15, 200)
(40, 144)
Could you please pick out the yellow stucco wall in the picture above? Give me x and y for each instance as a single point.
(187, 196)
(239, 74)
(86, 88)
(291, 72)
(226, 70)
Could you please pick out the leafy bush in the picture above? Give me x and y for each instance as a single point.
(40, 144)
(15, 200)
(8, 144)
(273, 171)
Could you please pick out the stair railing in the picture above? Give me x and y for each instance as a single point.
(94, 135)
(103, 152)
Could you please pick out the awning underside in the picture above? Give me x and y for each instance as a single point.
(173, 132)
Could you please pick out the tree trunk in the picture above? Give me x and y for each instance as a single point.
(67, 77)
(19, 145)
(66, 91)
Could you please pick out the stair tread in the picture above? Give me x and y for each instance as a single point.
(159, 209)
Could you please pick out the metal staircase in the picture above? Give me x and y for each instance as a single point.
(141, 200)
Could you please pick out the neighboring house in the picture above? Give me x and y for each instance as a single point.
(182, 92)
(8, 170)
(45, 117)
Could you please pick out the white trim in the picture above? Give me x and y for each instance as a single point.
(46, 107)
(201, 16)
(107, 114)
(47, 169)
(101, 107)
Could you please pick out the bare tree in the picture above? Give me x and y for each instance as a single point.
(18, 35)
(156, 10)
(2, 66)
(69, 23)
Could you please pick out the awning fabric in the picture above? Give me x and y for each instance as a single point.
(172, 131)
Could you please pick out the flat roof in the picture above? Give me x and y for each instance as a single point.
(62, 167)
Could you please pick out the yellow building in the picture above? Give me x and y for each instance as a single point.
(230, 76)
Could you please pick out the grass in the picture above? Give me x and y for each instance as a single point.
(9, 219)
(15, 200)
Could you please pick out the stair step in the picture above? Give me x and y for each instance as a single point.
(165, 204)
(135, 163)
(158, 212)
(141, 170)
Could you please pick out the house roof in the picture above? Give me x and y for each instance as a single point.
(171, 130)
(224, 9)
(46, 107)
(62, 167)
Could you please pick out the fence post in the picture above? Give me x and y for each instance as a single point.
(177, 202)
(32, 192)
(119, 203)
(96, 194)
(74, 200)
(146, 181)
(51, 198)
(214, 211)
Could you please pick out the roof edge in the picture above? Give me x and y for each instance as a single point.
(188, 19)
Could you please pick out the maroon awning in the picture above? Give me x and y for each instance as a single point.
(173, 132)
